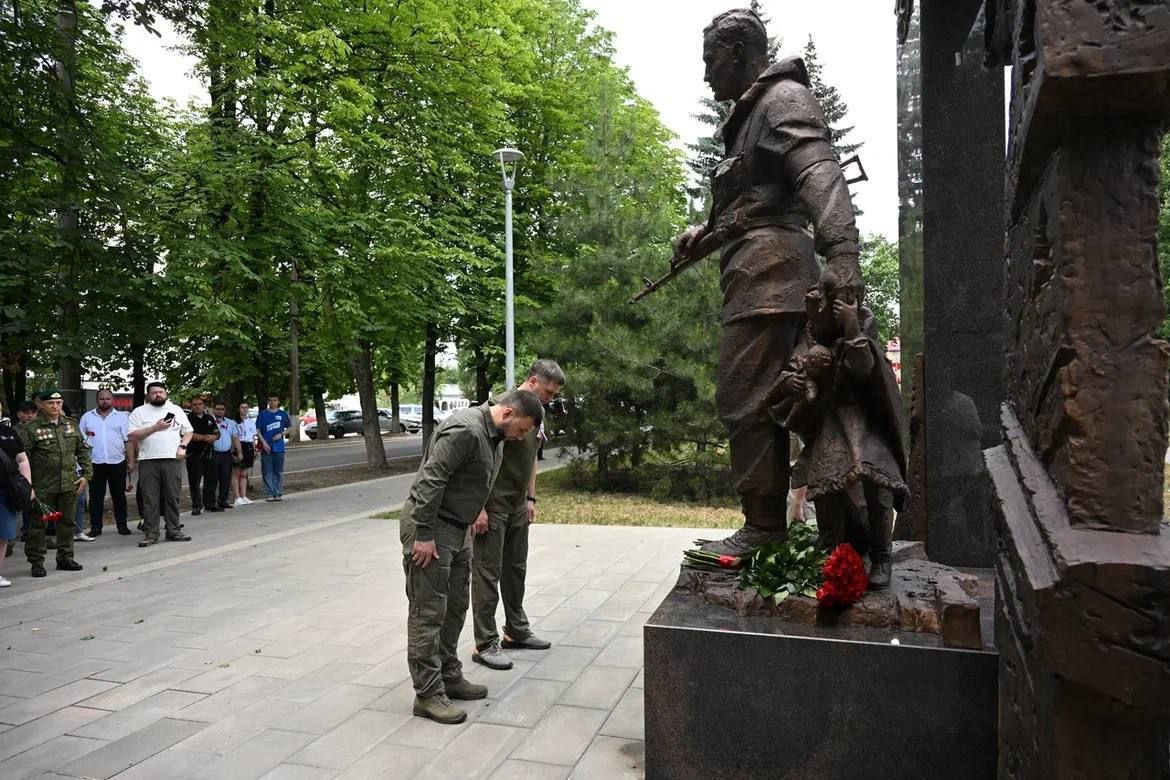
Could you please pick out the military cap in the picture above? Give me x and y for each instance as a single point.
(52, 394)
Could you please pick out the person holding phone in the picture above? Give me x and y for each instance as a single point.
(272, 425)
(161, 432)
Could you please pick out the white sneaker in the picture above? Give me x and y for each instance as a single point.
(4, 583)
(247, 500)
(82, 537)
(241, 501)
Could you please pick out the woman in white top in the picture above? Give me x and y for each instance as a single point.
(248, 455)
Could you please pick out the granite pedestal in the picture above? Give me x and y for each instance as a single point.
(734, 696)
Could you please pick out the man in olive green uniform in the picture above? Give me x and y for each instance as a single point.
(454, 480)
(501, 541)
(55, 447)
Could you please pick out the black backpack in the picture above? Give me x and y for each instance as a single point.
(19, 492)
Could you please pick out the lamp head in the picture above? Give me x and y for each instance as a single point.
(508, 155)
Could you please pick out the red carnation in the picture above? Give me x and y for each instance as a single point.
(729, 561)
(844, 578)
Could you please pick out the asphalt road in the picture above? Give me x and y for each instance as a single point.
(346, 452)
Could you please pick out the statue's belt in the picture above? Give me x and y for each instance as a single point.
(736, 227)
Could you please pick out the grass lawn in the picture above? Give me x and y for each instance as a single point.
(558, 504)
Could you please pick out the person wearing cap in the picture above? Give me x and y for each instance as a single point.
(56, 448)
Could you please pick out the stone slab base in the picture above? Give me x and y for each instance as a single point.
(923, 596)
(730, 695)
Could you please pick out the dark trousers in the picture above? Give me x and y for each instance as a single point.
(217, 479)
(500, 564)
(752, 353)
(197, 467)
(112, 475)
(35, 545)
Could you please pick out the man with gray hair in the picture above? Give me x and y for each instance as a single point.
(501, 542)
(455, 478)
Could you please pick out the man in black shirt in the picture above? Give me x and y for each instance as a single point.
(199, 452)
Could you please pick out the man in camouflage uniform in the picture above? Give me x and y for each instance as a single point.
(454, 480)
(55, 447)
(778, 199)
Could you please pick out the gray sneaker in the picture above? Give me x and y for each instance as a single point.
(530, 642)
(492, 657)
(465, 689)
(439, 709)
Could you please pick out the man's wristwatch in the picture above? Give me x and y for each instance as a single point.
(182, 446)
(532, 499)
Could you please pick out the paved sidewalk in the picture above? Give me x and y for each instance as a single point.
(274, 646)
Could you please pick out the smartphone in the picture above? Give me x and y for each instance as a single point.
(170, 417)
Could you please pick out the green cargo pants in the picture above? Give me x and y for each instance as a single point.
(500, 565)
(438, 597)
(34, 545)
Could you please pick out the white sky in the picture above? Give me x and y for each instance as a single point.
(660, 41)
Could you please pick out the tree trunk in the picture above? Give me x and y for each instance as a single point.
(395, 423)
(294, 357)
(430, 351)
(483, 387)
(639, 440)
(68, 209)
(138, 373)
(232, 396)
(603, 466)
(363, 375)
(319, 410)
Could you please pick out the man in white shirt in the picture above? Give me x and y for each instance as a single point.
(106, 431)
(161, 431)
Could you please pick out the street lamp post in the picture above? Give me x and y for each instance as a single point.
(508, 156)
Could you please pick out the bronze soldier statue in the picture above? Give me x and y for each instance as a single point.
(780, 177)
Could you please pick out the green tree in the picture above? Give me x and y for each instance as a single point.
(879, 268)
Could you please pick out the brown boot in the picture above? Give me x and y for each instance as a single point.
(439, 709)
(764, 522)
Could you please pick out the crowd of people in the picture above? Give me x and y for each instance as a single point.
(56, 470)
(464, 526)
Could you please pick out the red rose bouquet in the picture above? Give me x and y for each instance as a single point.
(843, 578)
(48, 514)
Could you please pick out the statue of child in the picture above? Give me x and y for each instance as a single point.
(852, 463)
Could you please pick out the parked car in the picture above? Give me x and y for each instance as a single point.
(388, 416)
(410, 415)
(331, 418)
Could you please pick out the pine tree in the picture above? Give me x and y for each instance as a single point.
(831, 102)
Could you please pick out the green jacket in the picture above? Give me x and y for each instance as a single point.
(458, 468)
(510, 493)
(54, 451)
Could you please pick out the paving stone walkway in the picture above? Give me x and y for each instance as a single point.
(273, 646)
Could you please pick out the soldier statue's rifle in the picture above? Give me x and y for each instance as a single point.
(712, 241)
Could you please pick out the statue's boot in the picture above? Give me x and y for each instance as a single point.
(764, 521)
(880, 568)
